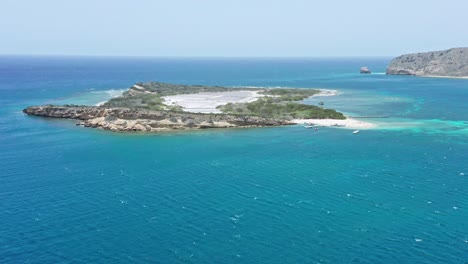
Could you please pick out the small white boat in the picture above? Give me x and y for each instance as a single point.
(356, 131)
(308, 126)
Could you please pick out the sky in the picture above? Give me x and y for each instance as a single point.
(237, 28)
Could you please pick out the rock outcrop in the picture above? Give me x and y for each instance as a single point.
(365, 70)
(125, 119)
(447, 63)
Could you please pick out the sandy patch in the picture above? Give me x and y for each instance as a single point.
(207, 102)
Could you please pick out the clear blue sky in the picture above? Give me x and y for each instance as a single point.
(231, 28)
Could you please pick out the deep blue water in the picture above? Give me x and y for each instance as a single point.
(395, 194)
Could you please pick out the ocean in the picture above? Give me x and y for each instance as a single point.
(394, 194)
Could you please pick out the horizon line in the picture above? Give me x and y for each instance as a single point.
(195, 56)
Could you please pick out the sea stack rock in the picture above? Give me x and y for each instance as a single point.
(365, 70)
(446, 63)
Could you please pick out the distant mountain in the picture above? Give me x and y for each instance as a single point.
(447, 63)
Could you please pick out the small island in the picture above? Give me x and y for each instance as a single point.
(447, 63)
(156, 106)
(364, 70)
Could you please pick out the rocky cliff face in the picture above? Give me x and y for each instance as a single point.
(447, 63)
(124, 119)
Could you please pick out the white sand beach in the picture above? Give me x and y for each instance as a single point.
(349, 123)
(207, 102)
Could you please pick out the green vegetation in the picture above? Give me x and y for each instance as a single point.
(291, 93)
(165, 89)
(278, 102)
(144, 101)
(266, 107)
(175, 108)
(70, 105)
(149, 95)
(281, 103)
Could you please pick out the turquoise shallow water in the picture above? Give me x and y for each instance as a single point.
(271, 195)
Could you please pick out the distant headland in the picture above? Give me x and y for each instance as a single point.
(447, 63)
(156, 106)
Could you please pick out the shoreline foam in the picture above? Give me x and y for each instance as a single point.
(445, 77)
(326, 92)
(349, 123)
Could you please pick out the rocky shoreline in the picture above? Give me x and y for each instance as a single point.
(446, 63)
(126, 119)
